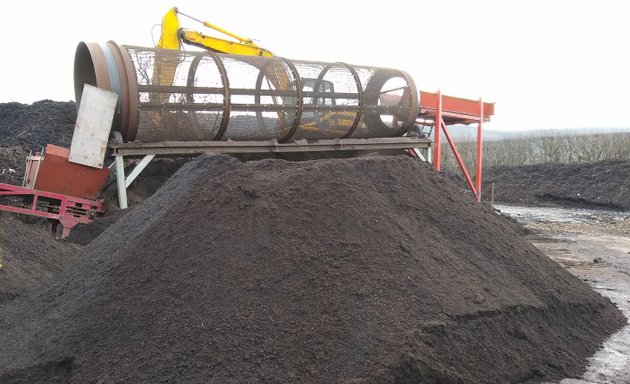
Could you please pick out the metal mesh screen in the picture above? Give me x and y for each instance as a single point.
(209, 96)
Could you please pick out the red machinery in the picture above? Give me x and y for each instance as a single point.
(440, 111)
(56, 189)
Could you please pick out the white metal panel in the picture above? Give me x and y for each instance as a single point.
(91, 131)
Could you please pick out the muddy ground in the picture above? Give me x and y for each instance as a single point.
(593, 245)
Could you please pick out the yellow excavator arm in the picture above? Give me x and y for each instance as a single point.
(173, 36)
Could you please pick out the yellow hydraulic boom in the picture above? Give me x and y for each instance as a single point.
(173, 36)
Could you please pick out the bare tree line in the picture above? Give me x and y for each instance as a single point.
(547, 149)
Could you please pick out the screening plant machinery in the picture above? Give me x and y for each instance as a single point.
(181, 95)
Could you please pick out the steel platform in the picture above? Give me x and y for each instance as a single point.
(147, 151)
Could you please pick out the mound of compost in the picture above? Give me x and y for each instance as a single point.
(366, 270)
(590, 185)
(32, 126)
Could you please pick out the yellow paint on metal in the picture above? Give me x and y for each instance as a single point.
(223, 46)
(169, 38)
(173, 35)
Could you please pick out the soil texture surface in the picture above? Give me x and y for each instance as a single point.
(366, 270)
(32, 126)
(585, 185)
(27, 128)
(29, 255)
(594, 246)
(12, 165)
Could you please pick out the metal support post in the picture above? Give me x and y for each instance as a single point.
(139, 168)
(478, 171)
(437, 132)
(123, 182)
(462, 166)
(419, 154)
(120, 182)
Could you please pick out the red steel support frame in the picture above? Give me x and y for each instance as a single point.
(479, 165)
(447, 110)
(437, 146)
(65, 210)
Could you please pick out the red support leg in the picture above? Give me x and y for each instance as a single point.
(458, 157)
(478, 171)
(437, 133)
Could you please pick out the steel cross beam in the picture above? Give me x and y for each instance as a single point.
(185, 148)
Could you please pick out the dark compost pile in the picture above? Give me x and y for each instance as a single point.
(366, 270)
(591, 185)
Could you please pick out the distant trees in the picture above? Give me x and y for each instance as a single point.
(542, 149)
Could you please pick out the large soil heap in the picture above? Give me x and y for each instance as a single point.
(366, 270)
(28, 128)
(602, 184)
(32, 126)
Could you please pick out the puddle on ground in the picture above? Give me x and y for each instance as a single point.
(529, 215)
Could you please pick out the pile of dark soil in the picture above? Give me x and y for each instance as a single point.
(595, 185)
(32, 126)
(29, 255)
(28, 128)
(12, 165)
(367, 270)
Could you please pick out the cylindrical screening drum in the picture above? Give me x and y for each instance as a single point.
(191, 96)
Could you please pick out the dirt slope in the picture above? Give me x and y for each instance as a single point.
(366, 270)
(29, 256)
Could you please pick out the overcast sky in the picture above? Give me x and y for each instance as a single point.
(546, 64)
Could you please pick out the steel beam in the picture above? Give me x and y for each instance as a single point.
(120, 182)
(139, 168)
(172, 148)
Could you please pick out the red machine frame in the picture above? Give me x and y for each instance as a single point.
(448, 110)
(61, 209)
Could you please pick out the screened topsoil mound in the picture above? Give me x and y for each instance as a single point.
(367, 270)
(29, 255)
(591, 185)
(32, 126)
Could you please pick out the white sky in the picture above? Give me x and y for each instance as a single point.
(546, 64)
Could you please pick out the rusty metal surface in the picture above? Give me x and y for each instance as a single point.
(56, 174)
(174, 148)
(90, 67)
(197, 96)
